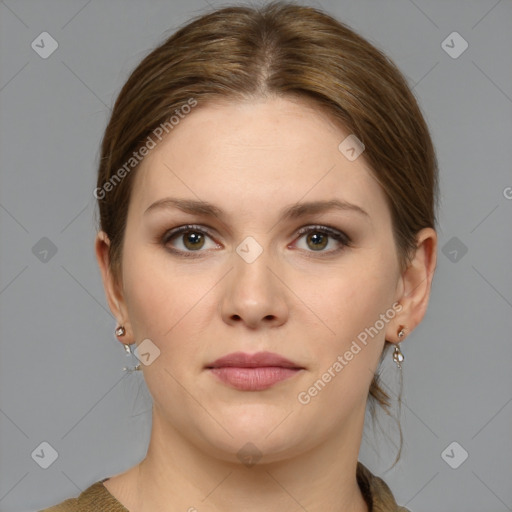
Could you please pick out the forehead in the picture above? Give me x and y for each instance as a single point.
(254, 155)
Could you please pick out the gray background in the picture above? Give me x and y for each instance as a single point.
(61, 378)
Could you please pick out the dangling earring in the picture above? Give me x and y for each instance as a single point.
(121, 331)
(398, 357)
(133, 368)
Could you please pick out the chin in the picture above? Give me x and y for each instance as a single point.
(256, 433)
(248, 450)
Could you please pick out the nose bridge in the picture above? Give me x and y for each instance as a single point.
(251, 275)
(253, 293)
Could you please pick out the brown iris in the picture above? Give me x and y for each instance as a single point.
(319, 240)
(193, 240)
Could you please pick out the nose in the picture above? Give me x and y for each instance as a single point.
(253, 295)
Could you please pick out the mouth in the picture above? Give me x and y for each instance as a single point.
(253, 372)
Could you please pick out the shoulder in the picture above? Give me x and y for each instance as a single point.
(376, 492)
(89, 501)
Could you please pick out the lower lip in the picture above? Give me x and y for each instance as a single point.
(253, 379)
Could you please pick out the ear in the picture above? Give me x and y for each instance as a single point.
(415, 284)
(113, 289)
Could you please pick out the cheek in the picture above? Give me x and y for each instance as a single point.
(152, 294)
(166, 304)
(356, 307)
(353, 297)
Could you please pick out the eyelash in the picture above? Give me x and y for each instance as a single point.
(335, 234)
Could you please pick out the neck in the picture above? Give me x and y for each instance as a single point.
(177, 475)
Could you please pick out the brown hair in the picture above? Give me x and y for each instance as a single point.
(280, 49)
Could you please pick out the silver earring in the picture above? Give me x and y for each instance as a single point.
(398, 357)
(121, 331)
(128, 350)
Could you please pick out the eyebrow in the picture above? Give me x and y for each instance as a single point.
(291, 212)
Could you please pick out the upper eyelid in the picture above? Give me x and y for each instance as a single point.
(211, 231)
(178, 230)
(321, 227)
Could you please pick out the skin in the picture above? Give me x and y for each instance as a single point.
(251, 159)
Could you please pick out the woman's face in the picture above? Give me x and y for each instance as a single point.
(266, 266)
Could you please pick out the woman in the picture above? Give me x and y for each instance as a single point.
(267, 190)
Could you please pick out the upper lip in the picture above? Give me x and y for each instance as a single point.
(258, 360)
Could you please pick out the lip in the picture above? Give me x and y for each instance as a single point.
(253, 372)
(258, 360)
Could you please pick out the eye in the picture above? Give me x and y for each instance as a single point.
(187, 239)
(316, 239)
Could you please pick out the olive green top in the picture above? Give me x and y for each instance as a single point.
(96, 497)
